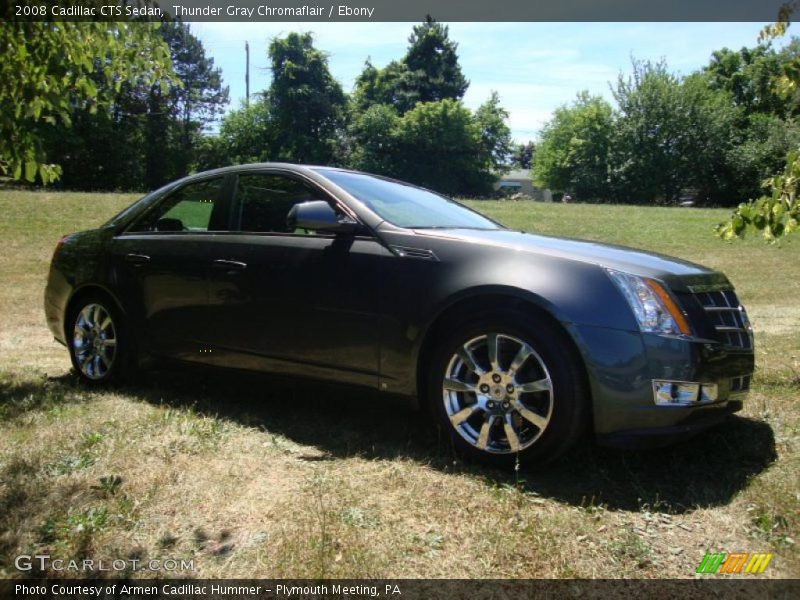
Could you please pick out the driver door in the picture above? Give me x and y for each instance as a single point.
(297, 302)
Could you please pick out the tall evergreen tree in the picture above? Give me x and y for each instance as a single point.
(491, 119)
(429, 72)
(432, 62)
(200, 98)
(307, 105)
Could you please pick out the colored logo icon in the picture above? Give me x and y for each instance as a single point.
(734, 564)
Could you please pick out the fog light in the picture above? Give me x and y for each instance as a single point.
(682, 393)
(675, 392)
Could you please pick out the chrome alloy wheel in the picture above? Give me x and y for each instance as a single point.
(498, 393)
(94, 341)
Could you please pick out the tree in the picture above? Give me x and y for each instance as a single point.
(48, 70)
(439, 145)
(151, 129)
(432, 62)
(776, 213)
(245, 135)
(408, 120)
(713, 135)
(429, 72)
(102, 149)
(522, 157)
(573, 152)
(307, 105)
(301, 118)
(373, 136)
(198, 100)
(672, 135)
(383, 86)
(749, 75)
(495, 135)
(765, 141)
(766, 129)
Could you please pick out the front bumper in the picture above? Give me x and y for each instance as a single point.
(623, 366)
(699, 419)
(55, 300)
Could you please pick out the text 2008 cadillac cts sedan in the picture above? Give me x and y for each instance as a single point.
(516, 342)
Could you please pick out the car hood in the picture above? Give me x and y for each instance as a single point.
(630, 260)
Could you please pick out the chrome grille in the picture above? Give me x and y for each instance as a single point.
(728, 317)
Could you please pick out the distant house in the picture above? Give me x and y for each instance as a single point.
(519, 181)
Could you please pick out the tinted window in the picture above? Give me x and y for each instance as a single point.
(195, 207)
(405, 205)
(264, 201)
(125, 212)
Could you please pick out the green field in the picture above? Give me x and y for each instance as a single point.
(247, 476)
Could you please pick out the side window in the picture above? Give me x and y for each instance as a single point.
(264, 201)
(195, 207)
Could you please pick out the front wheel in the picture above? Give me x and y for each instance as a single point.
(97, 341)
(508, 388)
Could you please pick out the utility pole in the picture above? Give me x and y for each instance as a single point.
(247, 75)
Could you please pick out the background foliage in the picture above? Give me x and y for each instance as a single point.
(132, 106)
(712, 136)
(51, 72)
(777, 212)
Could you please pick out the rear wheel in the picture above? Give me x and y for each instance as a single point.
(508, 388)
(98, 344)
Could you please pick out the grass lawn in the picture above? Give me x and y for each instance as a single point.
(247, 476)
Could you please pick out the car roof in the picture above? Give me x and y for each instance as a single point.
(298, 168)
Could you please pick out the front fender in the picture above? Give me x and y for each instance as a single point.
(421, 292)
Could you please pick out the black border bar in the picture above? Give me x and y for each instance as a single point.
(394, 10)
(703, 587)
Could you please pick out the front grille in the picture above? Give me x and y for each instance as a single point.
(728, 317)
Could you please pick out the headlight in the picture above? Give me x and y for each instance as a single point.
(654, 308)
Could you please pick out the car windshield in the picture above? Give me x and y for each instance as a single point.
(405, 205)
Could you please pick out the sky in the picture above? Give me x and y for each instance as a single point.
(535, 67)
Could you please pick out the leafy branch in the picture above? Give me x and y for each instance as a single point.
(776, 213)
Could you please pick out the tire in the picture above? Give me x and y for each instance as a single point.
(99, 345)
(525, 402)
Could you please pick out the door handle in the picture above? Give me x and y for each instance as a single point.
(137, 259)
(234, 265)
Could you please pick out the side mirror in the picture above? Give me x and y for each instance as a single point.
(317, 215)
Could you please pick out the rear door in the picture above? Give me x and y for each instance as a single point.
(162, 265)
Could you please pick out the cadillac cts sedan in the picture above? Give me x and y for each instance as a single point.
(515, 342)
